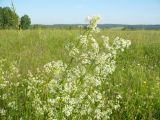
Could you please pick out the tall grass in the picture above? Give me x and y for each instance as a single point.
(137, 76)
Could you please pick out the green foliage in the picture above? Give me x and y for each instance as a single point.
(8, 18)
(25, 22)
(1, 18)
(137, 77)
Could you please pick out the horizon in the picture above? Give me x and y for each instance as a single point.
(126, 12)
(97, 24)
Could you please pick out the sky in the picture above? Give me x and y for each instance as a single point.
(75, 11)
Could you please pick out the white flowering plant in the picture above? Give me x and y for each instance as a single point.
(78, 89)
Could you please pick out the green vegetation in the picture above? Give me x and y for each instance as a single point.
(25, 22)
(10, 20)
(137, 76)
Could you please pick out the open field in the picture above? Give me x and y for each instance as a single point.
(33, 48)
(137, 75)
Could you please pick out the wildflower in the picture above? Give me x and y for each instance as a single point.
(106, 42)
(68, 110)
(145, 82)
(93, 23)
(2, 112)
(61, 90)
(74, 51)
(12, 104)
(83, 41)
(119, 97)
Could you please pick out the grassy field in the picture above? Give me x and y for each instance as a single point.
(137, 77)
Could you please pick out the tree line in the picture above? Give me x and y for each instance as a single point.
(9, 19)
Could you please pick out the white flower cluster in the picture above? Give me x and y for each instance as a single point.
(74, 90)
(120, 43)
(93, 23)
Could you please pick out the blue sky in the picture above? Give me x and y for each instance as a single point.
(75, 11)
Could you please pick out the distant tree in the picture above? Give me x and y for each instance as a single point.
(25, 22)
(124, 28)
(1, 18)
(9, 19)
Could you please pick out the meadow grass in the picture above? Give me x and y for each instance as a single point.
(137, 76)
